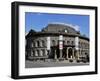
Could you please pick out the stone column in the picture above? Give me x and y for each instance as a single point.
(80, 51)
(60, 54)
(77, 54)
(55, 56)
(77, 46)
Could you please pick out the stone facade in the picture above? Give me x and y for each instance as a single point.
(36, 44)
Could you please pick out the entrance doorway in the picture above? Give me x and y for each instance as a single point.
(70, 53)
(54, 52)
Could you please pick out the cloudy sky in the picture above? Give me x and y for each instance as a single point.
(37, 21)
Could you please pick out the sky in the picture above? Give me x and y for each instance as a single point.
(38, 21)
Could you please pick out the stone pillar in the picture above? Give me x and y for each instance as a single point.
(80, 51)
(60, 54)
(55, 55)
(77, 46)
(77, 53)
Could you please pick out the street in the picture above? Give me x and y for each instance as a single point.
(38, 64)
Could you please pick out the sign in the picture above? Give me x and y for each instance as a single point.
(76, 43)
(61, 37)
(48, 43)
(61, 42)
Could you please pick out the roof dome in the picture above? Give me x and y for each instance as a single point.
(60, 27)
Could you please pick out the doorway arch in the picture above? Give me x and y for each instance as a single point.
(70, 52)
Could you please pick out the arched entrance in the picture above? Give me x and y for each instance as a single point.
(54, 53)
(70, 53)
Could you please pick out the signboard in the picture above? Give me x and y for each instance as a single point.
(76, 43)
(48, 43)
(61, 42)
(61, 37)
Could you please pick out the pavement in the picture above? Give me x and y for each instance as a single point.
(39, 64)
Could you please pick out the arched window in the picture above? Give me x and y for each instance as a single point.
(42, 52)
(38, 43)
(81, 45)
(72, 42)
(68, 42)
(65, 31)
(84, 45)
(43, 43)
(32, 53)
(38, 52)
(32, 44)
(70, 52)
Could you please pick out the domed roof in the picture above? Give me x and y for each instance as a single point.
(57, 29)
(60, 27)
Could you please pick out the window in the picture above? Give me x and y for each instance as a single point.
(42, 52)
(87, 45)
(79, 51)
(68, 42)
(53, 42)
(84, 45)
(80, 45)
(38, 53)
(32, 53)
(43, 43)
(32, 44)
(72, 42)
(38, 43)
(65, 31)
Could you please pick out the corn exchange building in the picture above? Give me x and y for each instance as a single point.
(57, 42)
